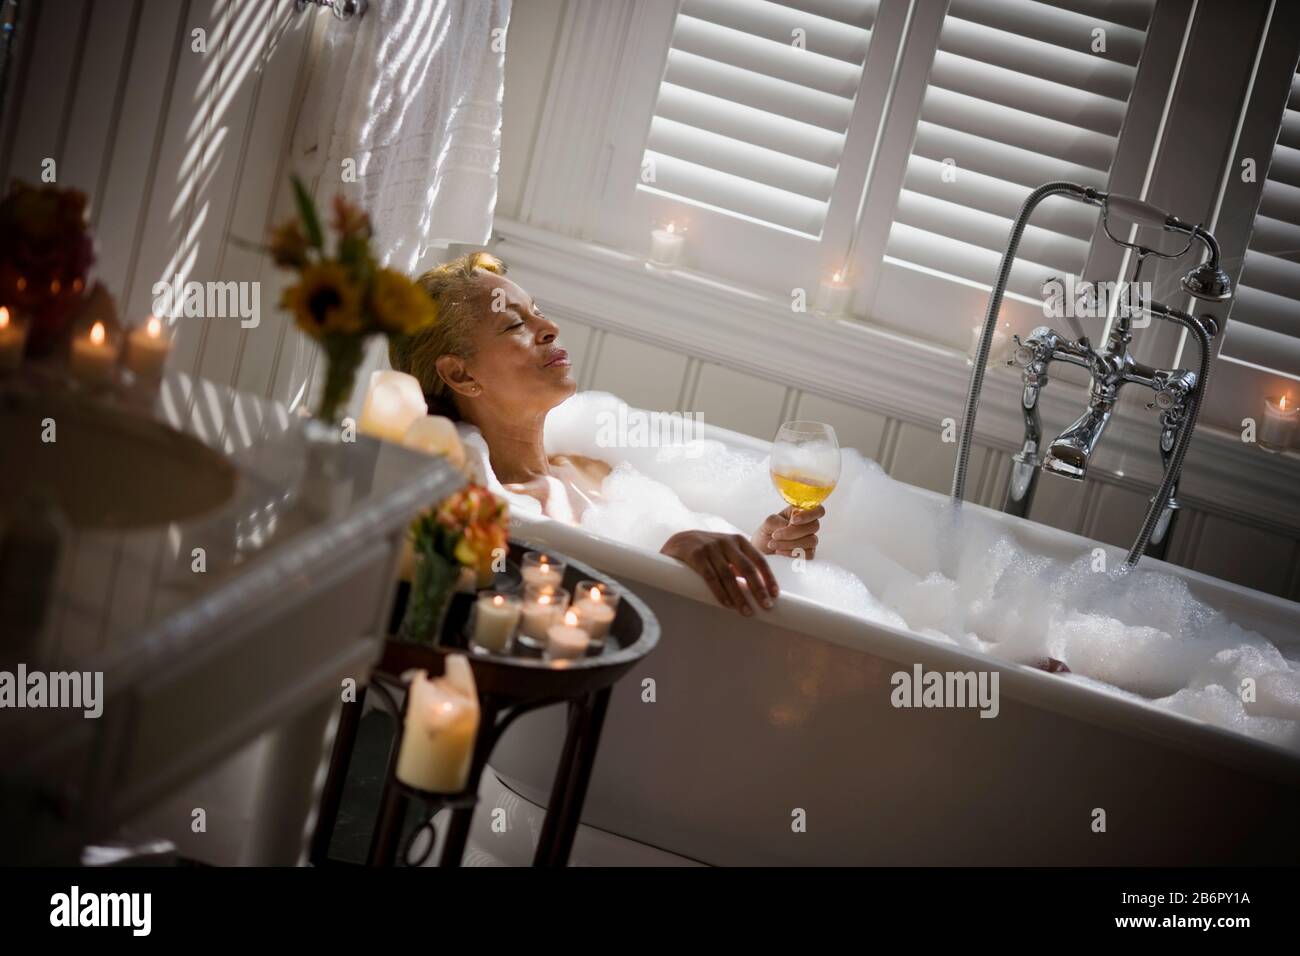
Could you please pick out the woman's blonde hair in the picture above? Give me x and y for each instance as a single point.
(456, 288)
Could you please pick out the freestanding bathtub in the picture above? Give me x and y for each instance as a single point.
(772, 740)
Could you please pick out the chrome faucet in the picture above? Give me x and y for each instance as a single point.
(1176, 393)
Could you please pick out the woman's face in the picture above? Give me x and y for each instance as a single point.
(518, 362)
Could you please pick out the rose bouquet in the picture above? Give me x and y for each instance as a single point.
(342, 298)
(466, 533)
(46, 251)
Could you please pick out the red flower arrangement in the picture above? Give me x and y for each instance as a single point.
(46, 252)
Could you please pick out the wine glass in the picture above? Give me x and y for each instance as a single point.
(805, 463)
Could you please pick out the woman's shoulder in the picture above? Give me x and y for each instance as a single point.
(592, 466)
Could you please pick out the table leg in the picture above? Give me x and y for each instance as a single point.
(569, 792)
(331, 799)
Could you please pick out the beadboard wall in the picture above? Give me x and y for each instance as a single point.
(183, 154)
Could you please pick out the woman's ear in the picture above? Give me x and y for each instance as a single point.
(452, 370)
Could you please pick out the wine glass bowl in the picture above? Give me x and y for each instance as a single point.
(805, 463)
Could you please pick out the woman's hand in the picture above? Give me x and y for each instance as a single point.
(792, 529)
(720, 559)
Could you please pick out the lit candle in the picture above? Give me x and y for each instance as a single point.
(147, 348)
(442, 717)
(1278, 428)
(541, 570)
(666, 245)
(566, 641)
(833, 295)
(436, 435)
(999, 347)
(495, 619)
(93, 359)
(541, 608)
(393, 402)
(13, 339)
(596, 607)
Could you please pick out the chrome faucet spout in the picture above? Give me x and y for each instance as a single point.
(1176, 393)
(1068, 456)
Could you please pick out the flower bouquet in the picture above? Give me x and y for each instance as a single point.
(46, 251)
(466, 534)
(341, 299)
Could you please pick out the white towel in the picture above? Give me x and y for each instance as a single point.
(411, 93)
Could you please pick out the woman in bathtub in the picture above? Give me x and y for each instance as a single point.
(493, 360)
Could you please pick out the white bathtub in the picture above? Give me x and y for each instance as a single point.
(758, 719)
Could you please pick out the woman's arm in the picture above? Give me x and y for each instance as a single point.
(720, 559)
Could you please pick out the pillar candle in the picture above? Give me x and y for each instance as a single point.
(999, 347)
(442, 717)
(495, 618)
(596, 606)
(394, 401)
(541, 570)
(540, 610)
(147, 348)
(13, 339)
(1278, 428)
(666, 245)
(93, 359)
(833, 295)
(566, 640)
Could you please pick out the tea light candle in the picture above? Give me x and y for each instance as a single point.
(442, 717)
(394, 401)
(93, 359)
(596, 607)
(833, 295)
(541, 608)
(147, 348)
(666, 245)
(541, 570)
(999, 348)
(13, 339)
(495, 618)
(1281, 415)
(566, 641)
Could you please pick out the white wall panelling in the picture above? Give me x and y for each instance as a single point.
(181, 152)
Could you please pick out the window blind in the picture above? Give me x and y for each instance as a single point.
(1016, 97)
(751, 116)
(1264, 323)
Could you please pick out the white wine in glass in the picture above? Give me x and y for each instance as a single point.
(805, 463)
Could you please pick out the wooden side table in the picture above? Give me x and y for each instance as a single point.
(508, 687)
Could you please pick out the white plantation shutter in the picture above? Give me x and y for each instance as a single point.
(1016, 98)
(1264, 323)
(748, 123)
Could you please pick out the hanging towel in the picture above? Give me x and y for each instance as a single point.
(411, 94)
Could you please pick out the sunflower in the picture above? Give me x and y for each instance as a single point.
(325, 301)
(398, 305)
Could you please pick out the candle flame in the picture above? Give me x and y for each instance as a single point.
(97, 334)
(838, 277)
(672, 227)
(153, 328)
(543, 599)
(1282, 404)
(595, 595)
(571, 619)
(4, 317)
(22, 284)
(498, 600)
(55, 287)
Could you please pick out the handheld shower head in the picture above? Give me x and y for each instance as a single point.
(1207, 281)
